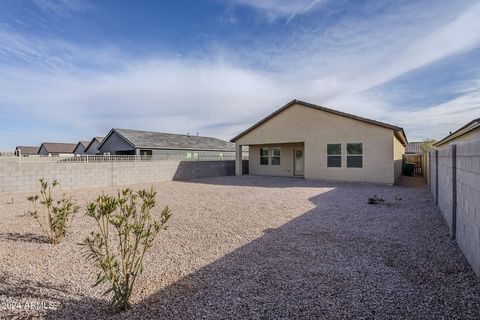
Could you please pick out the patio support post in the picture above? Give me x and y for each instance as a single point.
(238, 160)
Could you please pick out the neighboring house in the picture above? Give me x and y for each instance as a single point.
(414, 148)
(25, 151)
(135, 142)
(92, 147)
(80, 148)
(55, 149)
(470, 131)
(303, 139)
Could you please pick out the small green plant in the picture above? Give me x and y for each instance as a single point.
(52, 215)
(126, 230)
(375, 200)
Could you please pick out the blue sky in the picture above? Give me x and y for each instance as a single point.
(72, 69)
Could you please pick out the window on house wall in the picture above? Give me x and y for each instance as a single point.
(195, 155)
(264, 156)
(334, 155)
(275, 156)
(354, 155)
(145, 152)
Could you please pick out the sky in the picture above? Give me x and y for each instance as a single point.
(73, 69)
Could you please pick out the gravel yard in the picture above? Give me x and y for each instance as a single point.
(256, 247)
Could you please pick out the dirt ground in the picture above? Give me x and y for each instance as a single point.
(252, 248)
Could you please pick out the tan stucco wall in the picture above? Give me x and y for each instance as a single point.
(286, 160)
(398, 152)
(318, 128)
(470, 136)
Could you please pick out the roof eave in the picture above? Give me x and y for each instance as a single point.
(472, 125)
(110, 133)
(178, 148)
(91, 141)
(403, 137)
(311, 105)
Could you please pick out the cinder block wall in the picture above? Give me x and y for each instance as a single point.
(445, 185)
(191, 169)
(16, 176)
(433, 175)
(459, 195)
(468, 202)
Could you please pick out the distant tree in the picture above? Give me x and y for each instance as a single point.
(427, 145)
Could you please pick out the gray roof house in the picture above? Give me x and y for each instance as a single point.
(135, 142)
(80, 148)
(55, 148)
(26, 150)
(92, 147)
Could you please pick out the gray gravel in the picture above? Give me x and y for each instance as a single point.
(257, 247)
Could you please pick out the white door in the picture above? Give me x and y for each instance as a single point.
(298, 162)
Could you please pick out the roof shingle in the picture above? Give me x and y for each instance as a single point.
(99, 139)
(55, 147)
(160, 140)
(27, 150)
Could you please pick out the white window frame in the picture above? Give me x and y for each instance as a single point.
(335, 155)
(267, 156)
(279, 156)
(355, 155)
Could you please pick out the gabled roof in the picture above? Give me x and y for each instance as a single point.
(398, 130)
(159, 140)
(83, 143)
(27, 150)
(472, 125)
(99, 139)
(56, 147)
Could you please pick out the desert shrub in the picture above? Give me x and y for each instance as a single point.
(126, 230)
(375, 200)
(52, 215)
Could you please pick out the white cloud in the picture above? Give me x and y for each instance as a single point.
(361, 54)
(55, 54)
(437, 121)
(164, 95)
(61, 8)
(222, 96)
(281, 8)
(459, 35)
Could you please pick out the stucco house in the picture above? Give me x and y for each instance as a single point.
(56, 148)
(147, 143)
(92, 146)
(470, 131)
(25, 151)
(307, 140)
(80, 147)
